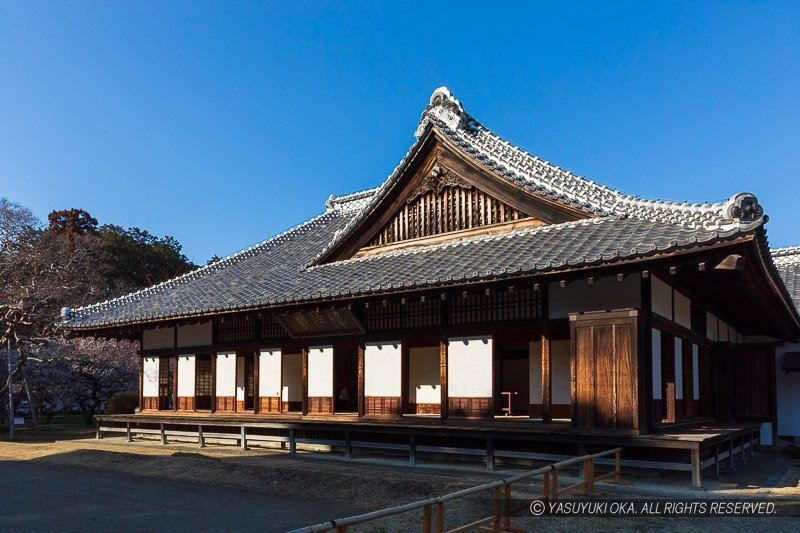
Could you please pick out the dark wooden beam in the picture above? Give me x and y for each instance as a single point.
(304, 376)
(547, 381)
(445, 403)
(361, 399)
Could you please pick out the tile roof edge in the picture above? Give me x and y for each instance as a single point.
(715, 235)
(68, 313)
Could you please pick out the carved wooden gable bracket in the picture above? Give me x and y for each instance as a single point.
(436, 180)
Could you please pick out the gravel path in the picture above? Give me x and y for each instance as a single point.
(48, 484)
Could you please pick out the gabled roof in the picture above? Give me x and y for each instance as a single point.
(787, 262)
(446, 115)
(290, 267)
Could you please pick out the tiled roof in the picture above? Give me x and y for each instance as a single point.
(446, 114)
(272, 273)
(285, 269)
(787, 261)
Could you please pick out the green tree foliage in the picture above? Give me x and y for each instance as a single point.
(139, 259)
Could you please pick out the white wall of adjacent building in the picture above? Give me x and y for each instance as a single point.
(186, 375)
(788, 394)
(269, 373)
(469, 367)
(320, 371)
(150, 376)
(382, 368)
(424, 380)
(226, 374)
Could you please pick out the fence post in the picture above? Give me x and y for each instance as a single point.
(97, 435)
(490, 454)
(163, 434)
(741, 443)
(426, 519)
(588, 475)
(507, 506)
(348, 448)
(555, 482)
(440, 517)
(244, 438)
(546, 487)
(292, 442)
(201, 438)
(412, 449)
(496, 522)
(128, 431)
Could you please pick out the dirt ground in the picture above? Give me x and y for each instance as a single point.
(65, 480)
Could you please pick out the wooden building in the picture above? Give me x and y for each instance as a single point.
(478, 287)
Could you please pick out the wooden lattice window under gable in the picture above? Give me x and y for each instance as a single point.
(444, 202)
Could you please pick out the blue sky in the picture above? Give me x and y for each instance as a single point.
(224, 123)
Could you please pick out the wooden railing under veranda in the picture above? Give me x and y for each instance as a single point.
(433, 509)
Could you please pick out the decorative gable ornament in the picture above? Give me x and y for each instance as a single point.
(743, 207)
(437, 179)
(445, 107)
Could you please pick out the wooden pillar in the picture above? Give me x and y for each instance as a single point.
(445, 403)
(668, 375)
(360, 348)
(403, 378)
(175, 382)
(304, 376)
(256, 392)
(547, 380)
(697, 481)
(213, 382)
(141, 382)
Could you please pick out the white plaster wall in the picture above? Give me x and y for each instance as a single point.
(194, 335)
(711, 327)
(678, 368)
(787, 394)
(424, 381)
(320, 371)
(683, 310)
(605, 293)
(382, 363)
(535, 371)
(186, 375)
(656, 351)
(269, 373)
(696, 371)
(560, 373)
(156, 339)
(150, 377)
(226, 374)
(469, 367)
(292, 372)
(661, 295)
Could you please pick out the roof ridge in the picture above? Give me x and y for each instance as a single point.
(68, 312)
(510, 160)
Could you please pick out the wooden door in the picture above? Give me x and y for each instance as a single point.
(605, 370)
